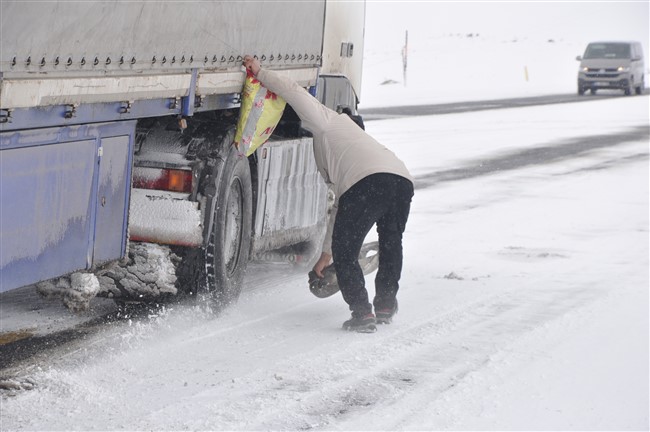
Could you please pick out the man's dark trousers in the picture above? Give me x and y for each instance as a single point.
(384, 199)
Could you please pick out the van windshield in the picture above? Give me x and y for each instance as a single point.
(608, 51)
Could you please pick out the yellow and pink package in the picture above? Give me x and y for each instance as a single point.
(259, 114)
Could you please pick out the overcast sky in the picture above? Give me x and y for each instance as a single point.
(579, 22)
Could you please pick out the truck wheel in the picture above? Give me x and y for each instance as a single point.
(226, 255)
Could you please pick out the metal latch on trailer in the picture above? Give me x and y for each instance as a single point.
(5, 116)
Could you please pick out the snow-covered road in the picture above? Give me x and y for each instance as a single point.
(524, 305)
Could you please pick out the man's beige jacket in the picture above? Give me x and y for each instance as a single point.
(344, 152)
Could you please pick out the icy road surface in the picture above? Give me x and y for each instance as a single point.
(524, 305)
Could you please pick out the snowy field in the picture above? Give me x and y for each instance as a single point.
(489, 68)
(523, 302)
(460, 51)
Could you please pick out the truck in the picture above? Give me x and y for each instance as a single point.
(116, 132)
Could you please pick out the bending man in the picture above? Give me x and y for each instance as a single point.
(371, 186)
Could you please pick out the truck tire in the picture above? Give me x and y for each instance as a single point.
(228, 248)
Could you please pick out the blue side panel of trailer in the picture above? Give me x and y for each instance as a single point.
(112, 199)
(63, 200)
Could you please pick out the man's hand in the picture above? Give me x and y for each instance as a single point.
(322, 262)
(252, 64)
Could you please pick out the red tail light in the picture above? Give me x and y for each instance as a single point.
(162, 179)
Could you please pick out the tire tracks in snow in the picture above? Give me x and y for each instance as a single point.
(436, 355)
(318, 377)
(384, 376)
(541, 155)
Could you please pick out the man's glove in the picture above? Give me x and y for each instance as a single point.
(325, 286)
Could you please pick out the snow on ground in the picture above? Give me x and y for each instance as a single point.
(524, 300)
(455, 68)
(524, 305)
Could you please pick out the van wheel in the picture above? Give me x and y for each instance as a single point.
(581, 91)
(641, 87)
(629, 87)
(593, 91)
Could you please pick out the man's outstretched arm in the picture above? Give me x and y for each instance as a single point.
(312, 113)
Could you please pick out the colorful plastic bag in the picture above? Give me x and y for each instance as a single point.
(259, 114)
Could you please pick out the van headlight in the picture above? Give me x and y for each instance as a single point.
(623, 69)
